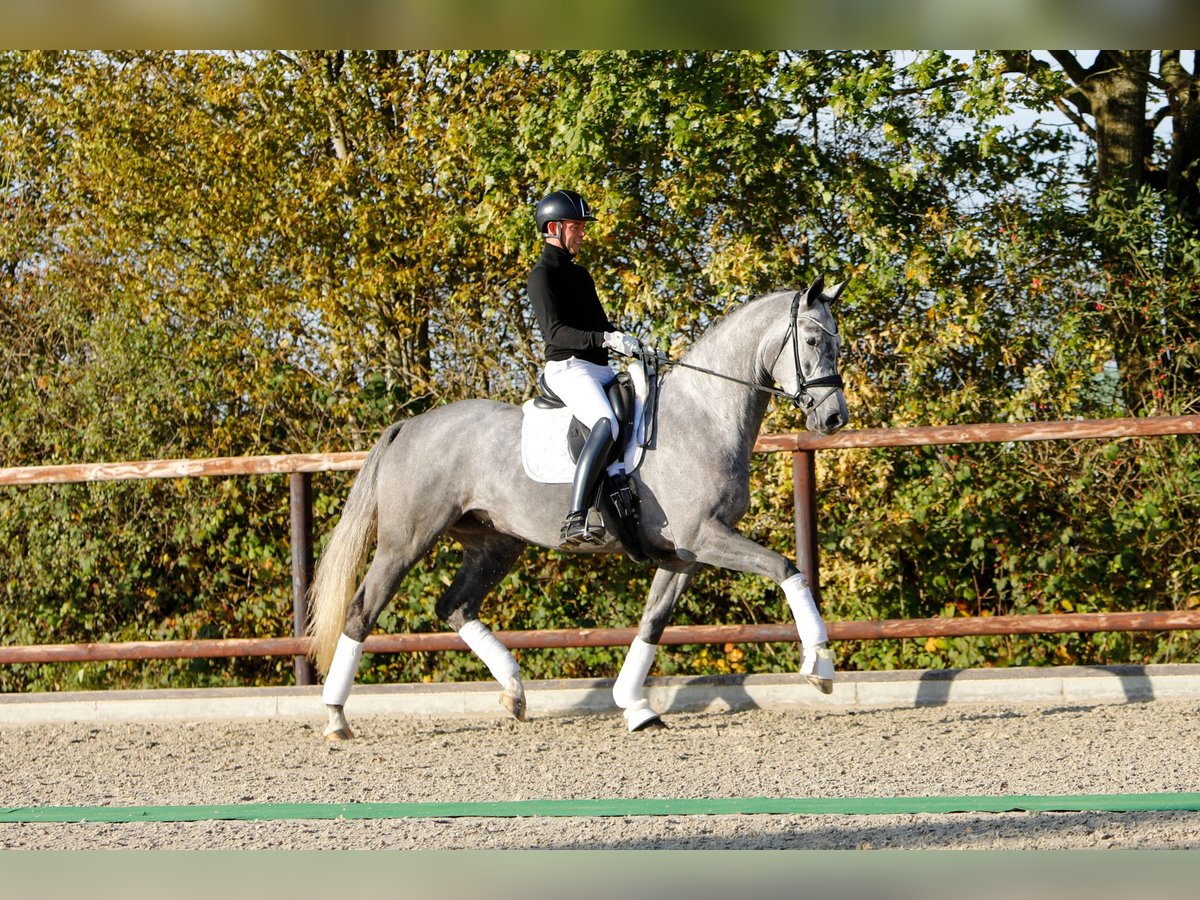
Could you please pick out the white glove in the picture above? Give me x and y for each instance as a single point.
(622, 343)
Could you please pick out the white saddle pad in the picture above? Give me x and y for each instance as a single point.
(544, 452)
(544, 444)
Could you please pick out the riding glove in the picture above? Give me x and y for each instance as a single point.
(622, 343)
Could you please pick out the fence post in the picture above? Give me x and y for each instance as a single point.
(804, 485)
(300, 504)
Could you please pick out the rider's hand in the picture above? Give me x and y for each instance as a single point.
(622, 343)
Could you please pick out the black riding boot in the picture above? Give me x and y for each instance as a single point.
(589, 469)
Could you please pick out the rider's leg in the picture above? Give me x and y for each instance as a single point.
(580, 384)
(588, 471)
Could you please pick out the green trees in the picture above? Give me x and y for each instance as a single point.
(1140, 113)
(1065, 289)
(209, 254)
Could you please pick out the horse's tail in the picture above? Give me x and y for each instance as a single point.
(337, 573)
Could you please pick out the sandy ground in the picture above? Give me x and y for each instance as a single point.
(950, 750)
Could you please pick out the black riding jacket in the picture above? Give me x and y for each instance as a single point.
(568, 310)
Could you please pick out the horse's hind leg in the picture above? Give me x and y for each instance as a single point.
(387, 570)
(629, 689)
(487, 557)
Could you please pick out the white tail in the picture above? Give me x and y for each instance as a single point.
(340, 567)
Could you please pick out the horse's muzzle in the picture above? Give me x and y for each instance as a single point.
(828, 415)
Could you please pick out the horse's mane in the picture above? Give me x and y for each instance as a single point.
(734, 314)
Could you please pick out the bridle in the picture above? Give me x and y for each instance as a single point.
(833, 382)
(803, 386)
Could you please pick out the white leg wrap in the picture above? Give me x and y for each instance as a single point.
(342, 671)
(495, 655)
(627, 692)
(809, 624)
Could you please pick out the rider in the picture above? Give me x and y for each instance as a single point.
(578, 336)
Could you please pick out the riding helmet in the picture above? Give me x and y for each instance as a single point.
(562, 205)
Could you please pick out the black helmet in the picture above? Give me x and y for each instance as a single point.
(562, 205)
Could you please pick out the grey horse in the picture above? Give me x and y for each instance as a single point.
(456, 470)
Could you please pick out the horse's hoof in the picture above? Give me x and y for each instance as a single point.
(817, 667)
(339, 734)
(655, 723)
(514, 704)
(643, 719)
(824, 685)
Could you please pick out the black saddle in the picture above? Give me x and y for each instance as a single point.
(621, 395)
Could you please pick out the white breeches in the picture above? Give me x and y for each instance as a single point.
(580, 384)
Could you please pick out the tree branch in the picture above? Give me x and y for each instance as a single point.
(1075, 117)
(1076, 72)
(1159, 116)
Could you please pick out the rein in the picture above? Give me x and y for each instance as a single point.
(803, 385)
(667, 361)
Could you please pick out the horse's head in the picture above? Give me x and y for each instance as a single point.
(806, 364)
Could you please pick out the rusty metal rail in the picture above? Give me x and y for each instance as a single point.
(284, 464)
(885, 629)
(803, 446)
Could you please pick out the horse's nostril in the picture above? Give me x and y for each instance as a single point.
(833, 420)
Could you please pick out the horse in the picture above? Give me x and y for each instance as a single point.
(456, 470)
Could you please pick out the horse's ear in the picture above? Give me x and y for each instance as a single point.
(813, 294)
(836, 291)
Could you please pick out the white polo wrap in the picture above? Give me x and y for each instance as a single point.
(495, 655)
(809, 624)
(627, 691)
(342, 671)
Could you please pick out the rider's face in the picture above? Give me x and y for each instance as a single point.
(571, 232)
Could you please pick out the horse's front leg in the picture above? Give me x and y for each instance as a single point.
(718, 545)
(629, 690)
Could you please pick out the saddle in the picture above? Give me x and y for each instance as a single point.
(620, 397)
(618, 502)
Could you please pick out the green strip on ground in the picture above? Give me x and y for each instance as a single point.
(841, 806)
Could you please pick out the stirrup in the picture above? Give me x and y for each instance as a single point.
(577, 530)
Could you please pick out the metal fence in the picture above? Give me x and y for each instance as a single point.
(802, 445)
